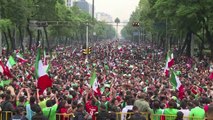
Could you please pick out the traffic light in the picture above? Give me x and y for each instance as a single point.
(87, 51)
(135, 24)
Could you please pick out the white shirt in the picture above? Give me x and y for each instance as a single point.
(124, 111)
(185, 113)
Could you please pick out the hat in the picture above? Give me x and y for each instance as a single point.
(174, 98)
(74, 85)
(107, 85)
(70, 96)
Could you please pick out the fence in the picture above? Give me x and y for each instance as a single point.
(123, 116)
(6, 115)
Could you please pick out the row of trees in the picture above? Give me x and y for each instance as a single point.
(175, 23)
(18, 31)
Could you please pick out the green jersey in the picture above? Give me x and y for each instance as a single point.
(50, 112)
(197, 112)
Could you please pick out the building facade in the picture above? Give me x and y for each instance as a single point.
(69, 3)
(84, 5)
(100, 16)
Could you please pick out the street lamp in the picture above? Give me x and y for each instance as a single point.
(117, 21)
(93, 9)
(0, 39)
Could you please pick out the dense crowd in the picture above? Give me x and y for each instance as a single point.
(131, 79)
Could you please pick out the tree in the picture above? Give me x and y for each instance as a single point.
(22, 13)
(161, 17)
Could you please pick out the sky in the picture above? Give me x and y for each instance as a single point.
(116, 8)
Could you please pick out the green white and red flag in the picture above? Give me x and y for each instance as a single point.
(175, 81)
(43, 79)
(169, 63)
(21, 58)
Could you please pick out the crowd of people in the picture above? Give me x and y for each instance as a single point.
(131, 80)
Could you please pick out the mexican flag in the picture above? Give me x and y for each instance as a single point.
(171, 60)
(94, 82)
(46, 65)
(169, 63)
(175, 81)
(10, 62)
(20, 58)
(43, 79)
(4, 70)
(45, 58)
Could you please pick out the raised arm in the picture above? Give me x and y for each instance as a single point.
(96, 100)
(37, 95)
(87, 94)
(56, 99)
(28, 93)
(19, 93)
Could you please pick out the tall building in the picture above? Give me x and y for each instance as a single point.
(69, 3)
(100, 16)
(84, 5)
(90, 8)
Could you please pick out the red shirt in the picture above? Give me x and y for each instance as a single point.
(206, 107)
(63, 110)
(91, 109)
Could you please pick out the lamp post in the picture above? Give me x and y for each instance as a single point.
(117, 21)
(93, 9)
(0, 39)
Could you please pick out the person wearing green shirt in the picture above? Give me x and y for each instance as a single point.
(156, 112)
(170, 113)
(103, 101)
(106, 90)
(41, 101)
(197, 112)
(20, 99)
(50, 110)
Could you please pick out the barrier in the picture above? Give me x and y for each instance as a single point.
(120, 115)
(64, 116)
(172, 117)
(6, 115)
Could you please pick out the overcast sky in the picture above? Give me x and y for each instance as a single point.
(116, 8)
